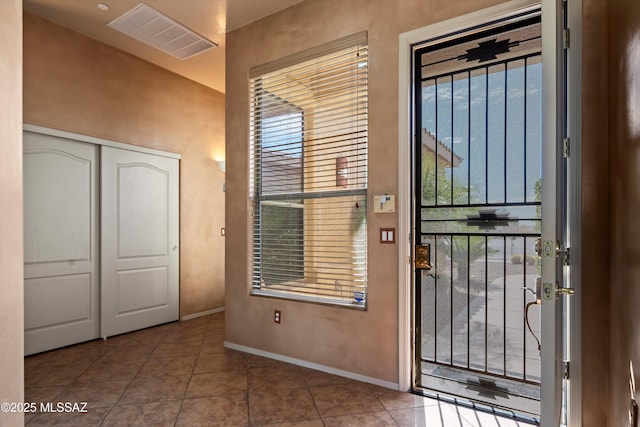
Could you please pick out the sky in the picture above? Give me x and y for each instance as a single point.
(454, 110)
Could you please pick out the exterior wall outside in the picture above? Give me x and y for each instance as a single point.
(11, 253)
(363, 343)
(76, 84)
(623, 34)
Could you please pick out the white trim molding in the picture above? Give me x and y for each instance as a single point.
(574, 96)
(311, 365)
(98, 141)
(202, 313)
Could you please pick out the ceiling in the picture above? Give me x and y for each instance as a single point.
(209, 18)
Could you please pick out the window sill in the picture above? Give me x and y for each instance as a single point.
(293, 295)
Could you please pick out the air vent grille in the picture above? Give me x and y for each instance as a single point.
(149, 26)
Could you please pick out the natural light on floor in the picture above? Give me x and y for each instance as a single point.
(443, 414)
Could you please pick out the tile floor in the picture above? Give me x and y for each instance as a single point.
(180, 374)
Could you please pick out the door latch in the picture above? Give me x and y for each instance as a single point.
(565, 291)
(547, 248)
(537, 292)
(549, 291)
(422, 259)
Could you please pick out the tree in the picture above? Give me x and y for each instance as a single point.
(463, 250)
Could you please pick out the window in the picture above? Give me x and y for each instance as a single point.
(308, 179)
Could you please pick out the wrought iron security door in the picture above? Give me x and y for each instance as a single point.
(477, 205)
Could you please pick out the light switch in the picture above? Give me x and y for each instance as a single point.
(384, 204)
(388, 235)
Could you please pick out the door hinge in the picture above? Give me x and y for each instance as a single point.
(566, 38)
(566, 147)
(566, 370)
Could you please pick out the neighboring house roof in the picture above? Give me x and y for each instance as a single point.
(275, 167)
(445, 155)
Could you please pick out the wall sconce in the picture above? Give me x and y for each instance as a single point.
(222, 165)
(341, 172)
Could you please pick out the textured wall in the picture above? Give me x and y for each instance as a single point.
(361, 342)
(326, 335)
(595, 217)
(79, 85)
(11, 300)
(624, 195)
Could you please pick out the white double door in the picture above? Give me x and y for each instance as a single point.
(101, 241)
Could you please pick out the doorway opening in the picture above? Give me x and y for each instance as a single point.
(477, 159)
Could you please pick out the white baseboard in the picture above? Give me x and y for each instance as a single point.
(311, 365)
(202, 313)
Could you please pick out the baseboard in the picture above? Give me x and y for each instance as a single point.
(311, 365)
(202, 313)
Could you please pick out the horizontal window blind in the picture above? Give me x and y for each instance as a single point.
(308, 156)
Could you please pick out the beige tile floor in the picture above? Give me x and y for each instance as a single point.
(180, 374)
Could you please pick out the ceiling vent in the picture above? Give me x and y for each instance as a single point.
(149, 26)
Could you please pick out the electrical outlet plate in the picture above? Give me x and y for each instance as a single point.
(388, 235)
(277, 316)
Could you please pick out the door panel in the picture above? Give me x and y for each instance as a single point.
(143, 289)
(140, 254)
(142, 211)
(60, 217)
(73, 292)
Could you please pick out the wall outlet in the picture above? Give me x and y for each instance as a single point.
(277, 316)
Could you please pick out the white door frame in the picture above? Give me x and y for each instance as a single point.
(552, 132)
(574, 174)
(405, 224)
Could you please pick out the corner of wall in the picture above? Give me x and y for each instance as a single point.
(11, 255)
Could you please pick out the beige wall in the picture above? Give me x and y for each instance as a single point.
(11, 300)
(327, 335)
(624, 194)
(365, 343)
(79, 85)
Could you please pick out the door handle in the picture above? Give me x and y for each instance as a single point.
(549, 291)
(422, 259)
(565, 291)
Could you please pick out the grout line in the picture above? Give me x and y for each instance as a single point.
(313, 399)
(134, 376)
(212, 325)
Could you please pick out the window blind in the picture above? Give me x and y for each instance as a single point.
(308, 156)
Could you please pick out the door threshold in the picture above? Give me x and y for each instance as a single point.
(519, 419)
